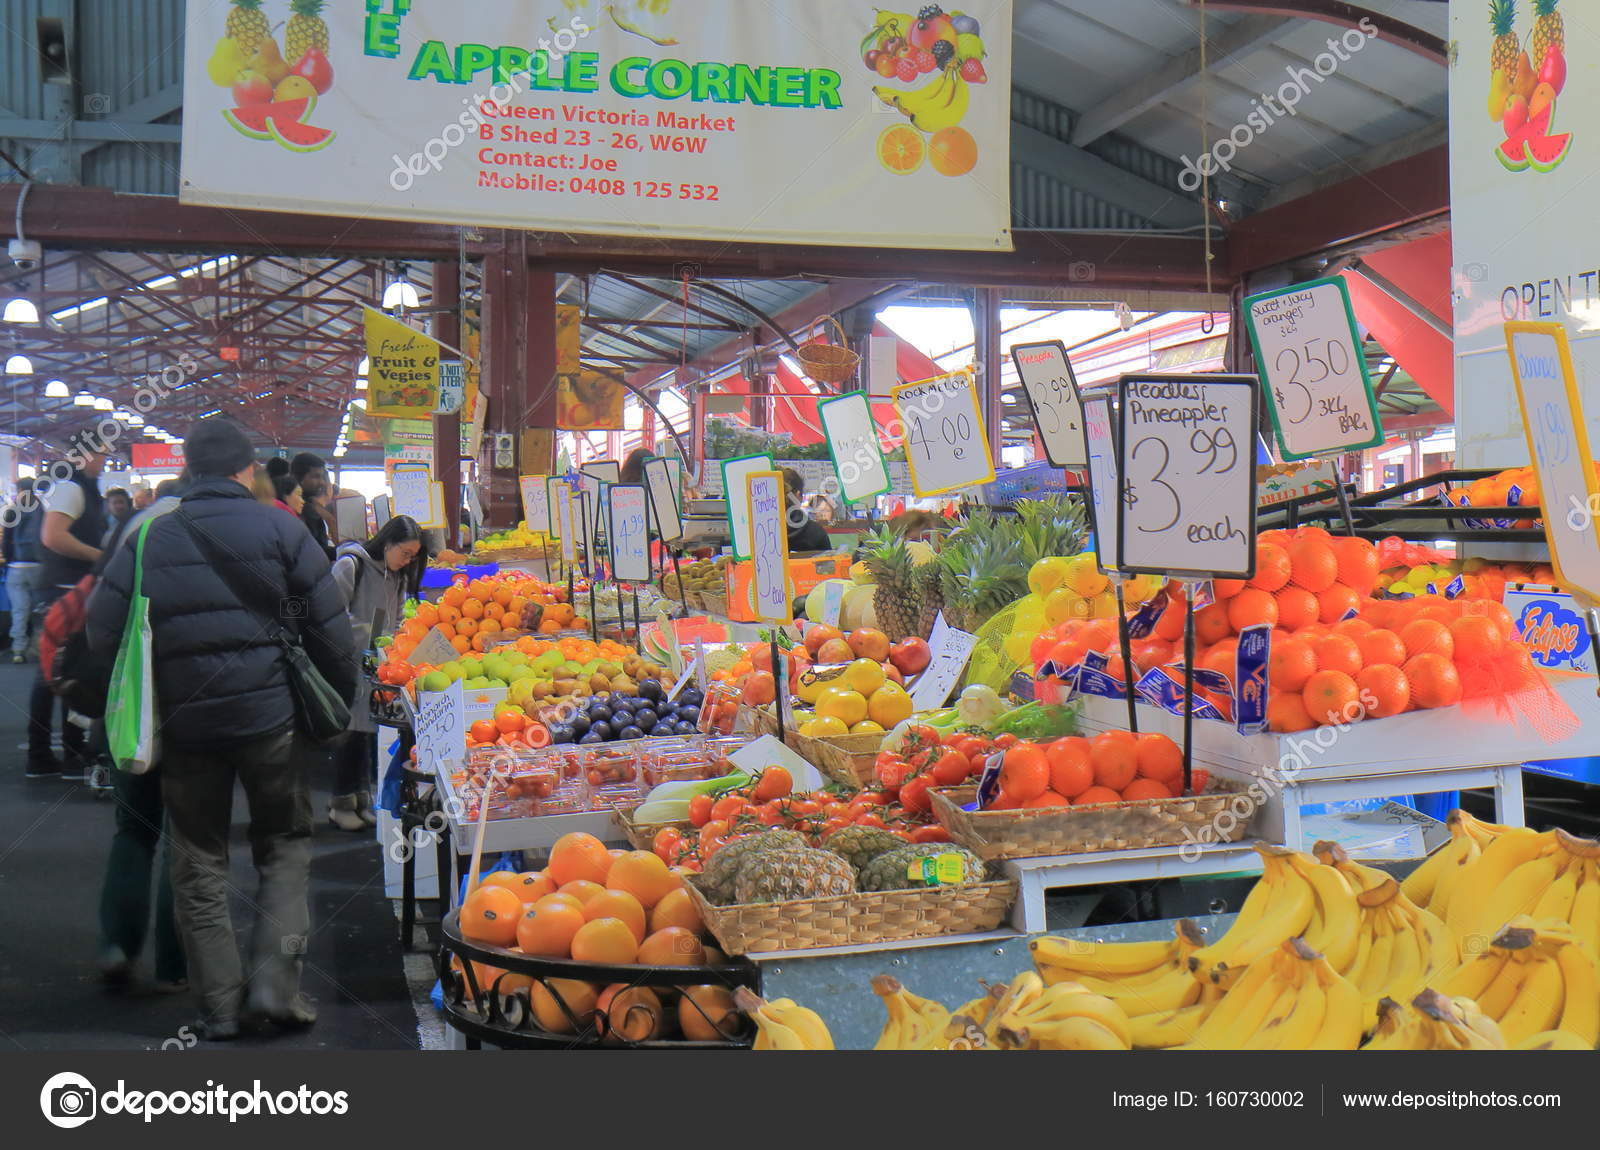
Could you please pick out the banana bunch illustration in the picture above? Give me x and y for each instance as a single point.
(1435, 1022)
(1064, 1016)
(941, 103)
(914, 1023)
(783, 1024)
(1432, 885)
(1148, 980)
(1290, 999)
(1534, 977)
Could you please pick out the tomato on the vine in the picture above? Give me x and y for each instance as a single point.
(772, 783)
(700, 810)
(871, 820)
(771, 814)
(933, 833)
(974, 748)
(892, 774)
(914, 794)
(728, 807)
(1005, 742)
(951, 768)
(667, 843)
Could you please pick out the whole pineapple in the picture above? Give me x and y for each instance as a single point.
(894, 602)
(788, 874)
(247, 26)
(890, 871)
(306, 29)
(1548, 31)
(717, 879)
(930, 598)
(860, 845)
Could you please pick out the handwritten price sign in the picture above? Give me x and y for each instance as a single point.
(1051, 391)
(664, 499)
(852, 436)
(769, 541)
(627, 534)
(1186, 457)
(734, 474)
(535, 502)
(1100, 448)
(946, 443)
(569, 539)
(1558, 440)
(1309, 353)
(441, 727)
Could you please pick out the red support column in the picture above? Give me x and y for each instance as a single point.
(447, 428)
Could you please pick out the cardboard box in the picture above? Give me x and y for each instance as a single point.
(804, 573)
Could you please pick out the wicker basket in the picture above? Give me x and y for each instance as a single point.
(1053, 831)
(850, 760)
(714, 603)
(855, 919)
(642, 836)
(828, 362)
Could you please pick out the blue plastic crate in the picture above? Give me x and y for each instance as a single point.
(443, 576)
(1030, 482)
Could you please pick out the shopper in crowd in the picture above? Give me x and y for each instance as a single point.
(23, 570)
(119, 509)
(232, 583)
(375, 578)
(138, 847)
(632, 470)
(289, 496)
(311, 474)
(143, 497)
(805, 533)
(69, 537)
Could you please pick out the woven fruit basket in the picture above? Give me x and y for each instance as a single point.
(1132, 825)
(714, 603)
(854, 919)
(642, 836)
(849, 760)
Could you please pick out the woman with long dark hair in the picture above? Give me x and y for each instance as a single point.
(376, 578)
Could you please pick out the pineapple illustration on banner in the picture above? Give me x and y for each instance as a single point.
(274, 91)
(1524, 84)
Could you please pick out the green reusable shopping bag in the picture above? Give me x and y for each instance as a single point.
(131, 699)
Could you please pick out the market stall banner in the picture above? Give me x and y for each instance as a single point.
(157, 457)
(403, 379)
(794, 121)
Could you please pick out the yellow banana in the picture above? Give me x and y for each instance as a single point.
(1344, 1017)
(1585, 913)
(1285, 918)
(1502, 992)
(1265, 1037)
(1408, 965)
(1337, 937)
(1473, 977)
(783, 1024)
(1374, 976)
(1419, 884)
(1520, 891)
(1538, 1003)
(1068, 1000)
(1580, 1012)
(1241, 1010)
(1463, 853)
(1067, 1034)
(1175, 989)
(1358, 965)
(1486, 1028)
(941, 103)
(1558, 897)
(1024, 988)
(1483, 832)
(1159, 1031)
(1102, 959)
(1470, 915)
(1555, 1040)
(914, 1023)
(1305, 1022)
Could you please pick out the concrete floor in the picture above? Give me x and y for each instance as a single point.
(53, 844)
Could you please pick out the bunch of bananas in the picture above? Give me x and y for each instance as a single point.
(1278, 908)
(1549, 875)
(1065, 1016)
(783, 1024)
(1291, 999)
(1432, 885)
(1534, 977)
(1435, 1023)
(914, 1023)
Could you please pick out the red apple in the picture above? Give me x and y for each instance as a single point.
(251, 88)
(911, 656)
(1554, 69)
(834, 651)
(314, 66)
(868, 643)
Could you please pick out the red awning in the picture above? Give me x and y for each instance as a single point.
(1421, 269)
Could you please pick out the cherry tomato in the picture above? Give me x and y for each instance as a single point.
(667, 843)
(954, 738)
(700, 810)
(974, 748)
(871, 820)
(1198, 778)
(770, 814)
(892, 774)
(870, 798)
(1005, 742)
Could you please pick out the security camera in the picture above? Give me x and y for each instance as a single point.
(26, 254)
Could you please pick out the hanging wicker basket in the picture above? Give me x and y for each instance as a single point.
(828, 362)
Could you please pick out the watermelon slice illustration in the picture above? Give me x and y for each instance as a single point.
(1512, 154)
(300, 137)
(1545, 153)
(252, 119)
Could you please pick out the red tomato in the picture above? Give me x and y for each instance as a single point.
(1005, 742)
(700, 810)
(953, 767)
(774, 783)
(975, 749)
(770, 814)
(930, 834)
(870, 799)
(914, 794)
(871, 820)
(667, 843)
(727, 808)
(1198, 778)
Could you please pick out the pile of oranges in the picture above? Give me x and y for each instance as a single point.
(1112, 767)
(608, 908)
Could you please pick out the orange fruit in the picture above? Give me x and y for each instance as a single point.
(1434, 680)
(1337, 653)
(490, 915)
(1115, 761)
(548, 927)
(953, 152)
(1331, 697)
(532, 885)
(1226, 588)
(1170, 626)
(1335, 603)
(901, 150)
(453, 596)
(676, 908)
(1149, 789)
(449, 613)
(1428, 637)
(1160, 759)
(1025, 772)
(1313, 564)
(1381, 646)
(1071, 768)
(1290, 663)
(707, 1014)
(466, 629)
(1251, 607)
(606, 941)
(672, 946)
(1354, 628)
(1222, 657)
(1385, 690)
(510, 721)
(1211, 624)
(644, 875)
(1286, 711)
(1357, 562)
(1048, 799)
(1477, 639)
(483, 731)
(472, 609)
(562, 899)
(578, 856)
(1272, 567)
(618, 904)
(563, 1005)
(509, 879)
(1097, 795)
(1297, 608)
(582, 889)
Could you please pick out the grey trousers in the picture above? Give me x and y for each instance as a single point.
(197, 789)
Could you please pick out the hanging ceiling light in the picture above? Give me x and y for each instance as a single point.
(121, 416)
(135, 419)
(151, 433)
(21, 311)
(83, 399)
(400, 294)
(19, 365)
(104, 404)
(56, 389)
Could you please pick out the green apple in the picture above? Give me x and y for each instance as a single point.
(454, 669)
(436, 680)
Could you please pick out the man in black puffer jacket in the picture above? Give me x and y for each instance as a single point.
(227, 578)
